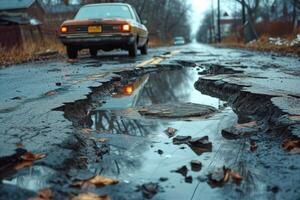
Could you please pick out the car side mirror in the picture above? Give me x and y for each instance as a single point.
(144, 22)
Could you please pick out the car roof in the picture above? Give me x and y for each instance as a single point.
(107, 4)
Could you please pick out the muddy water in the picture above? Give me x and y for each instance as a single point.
(135, 140)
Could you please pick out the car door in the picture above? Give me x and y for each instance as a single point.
(142, 30)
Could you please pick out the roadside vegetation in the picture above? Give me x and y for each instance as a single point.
(262, 25)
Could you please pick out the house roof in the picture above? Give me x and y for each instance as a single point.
(15, 4)
(18, 18)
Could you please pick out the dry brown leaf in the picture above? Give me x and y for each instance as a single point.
(86, 130)
(23, 164)
(28, 156)
(51, 93)
(236, 177)
(98, 181)
(295, 150)
(246, 125)
(90, 196)
(102, 140)
(143, 110)
(44, 194)
(295, 117)
(289, 144)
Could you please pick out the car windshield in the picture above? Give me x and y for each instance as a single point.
(104, 11)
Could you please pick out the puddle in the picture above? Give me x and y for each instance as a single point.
(141, 152)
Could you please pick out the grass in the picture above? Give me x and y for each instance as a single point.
(29, 51)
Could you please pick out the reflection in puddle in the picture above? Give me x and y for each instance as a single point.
(33, 178)
(135, 141)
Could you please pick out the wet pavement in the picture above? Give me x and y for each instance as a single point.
(146, 126)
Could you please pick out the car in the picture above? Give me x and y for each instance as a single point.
(105, 26)
(178, 41)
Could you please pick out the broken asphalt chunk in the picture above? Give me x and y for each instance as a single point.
(149, 190)
(196, 165)
(200, 145)
(181, 140)
(182, 170)
(188, 179)
(90, 196)
(171, 131)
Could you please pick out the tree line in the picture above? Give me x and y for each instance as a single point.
(250, 13)
(165, 18)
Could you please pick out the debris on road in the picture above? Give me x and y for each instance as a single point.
(28, 156)
(240, 130)
(182, 170)
(98, 181)
(90, 196)
(220, 177)
(163, 179)
(181, 139)
(200, 145)
(160, 152)
(43, 194)
(177, 110)
(188, 179)
(196, 165)
(171, 131)
(149, 190)
(253, 146)
(291, 145)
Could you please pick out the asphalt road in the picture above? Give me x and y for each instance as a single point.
(62, 109)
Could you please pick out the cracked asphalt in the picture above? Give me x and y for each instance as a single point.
(63, 109)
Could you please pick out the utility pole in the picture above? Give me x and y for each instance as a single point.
(219, 22)
(243, 12)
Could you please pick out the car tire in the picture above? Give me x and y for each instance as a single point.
(72, 52)
(93, 52)
(132, 49)
(144, 49)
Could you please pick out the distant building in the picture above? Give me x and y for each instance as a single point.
(25, 20)
(20, 21)
(229, 23)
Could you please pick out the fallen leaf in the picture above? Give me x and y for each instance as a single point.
(90, 196)
(102, 140)
(236, 177)
(246, 125)
(28, 156)
(51, 93)
(23, 164)
(143, 110)
(289, 144)
(44, 194)
(220, 177)
(295, 150)
(86, 130)
(295, 117)
(98, 181)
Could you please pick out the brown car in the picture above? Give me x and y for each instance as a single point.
(105, 26)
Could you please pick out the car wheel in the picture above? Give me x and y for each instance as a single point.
(144, 49)
(132, 49)
(72, 52)
(93, 52)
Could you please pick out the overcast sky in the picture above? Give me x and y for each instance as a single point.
(199, 7)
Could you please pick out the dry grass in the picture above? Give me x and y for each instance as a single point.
(262, 44)
(29, 51)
